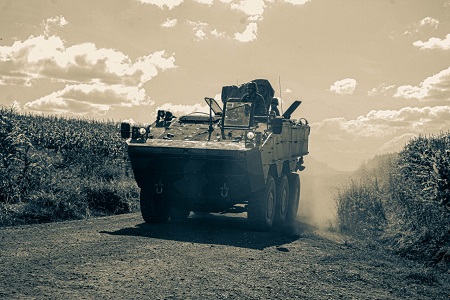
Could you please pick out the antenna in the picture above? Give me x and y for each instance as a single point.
(281, 98)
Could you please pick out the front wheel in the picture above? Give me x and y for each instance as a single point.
(261, 207)
(154, 208)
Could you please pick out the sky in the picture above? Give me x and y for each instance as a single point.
(371, 74)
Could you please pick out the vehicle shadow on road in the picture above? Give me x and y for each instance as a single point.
(216, 229)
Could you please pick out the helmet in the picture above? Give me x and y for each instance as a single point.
(252, 86)
(274, 101)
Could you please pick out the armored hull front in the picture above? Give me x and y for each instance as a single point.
(202, 176)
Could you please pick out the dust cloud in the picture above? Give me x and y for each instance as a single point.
(318, 185)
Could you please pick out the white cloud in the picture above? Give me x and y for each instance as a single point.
(345, 86)
(58, 21)
(382, 90)
(169, 23)
(48, 57)
(163, 3)
(199, 28)
(16, 105)
(217, 33)
(381, 123)
(297, 2)
(83, 99)
(436, 87)
(379, 131)
(208, 2)
(430, 22)
(252, 8)
(287, 91)
(427, 22)
(249, 34)
(179, 109)
(200, 35)
(434, 43)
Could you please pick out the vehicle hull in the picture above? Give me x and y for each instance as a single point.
(201, 176)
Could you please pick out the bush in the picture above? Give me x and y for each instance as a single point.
(404, 199)
(54, 168)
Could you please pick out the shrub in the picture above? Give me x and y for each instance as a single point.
(405, 196)
(55, 168)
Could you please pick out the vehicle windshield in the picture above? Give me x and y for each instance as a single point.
(237, 114)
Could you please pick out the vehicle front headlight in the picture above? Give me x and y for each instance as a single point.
(140, 132)
(250, 135)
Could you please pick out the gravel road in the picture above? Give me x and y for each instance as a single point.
(205, 257)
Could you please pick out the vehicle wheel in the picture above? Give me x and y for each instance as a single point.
(154, 208)
(282, 200)
(294, 198)
(261, 207)
(179, 214)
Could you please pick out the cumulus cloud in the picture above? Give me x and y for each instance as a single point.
(345, 86)
(90, 99)
(297, 2)
(170, 4)
(207, 2)
(254, 9)
(48, 57)
(379, 131)
(434, 43)
(200, 35)
(180, 109)
(436, 87)
(427, 22)
(381, 90)
(199, 29)
(169, 23)
(50, 23)
(249, 34)
(217, 33)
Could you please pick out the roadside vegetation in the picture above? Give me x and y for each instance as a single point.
(403, 200)
(56, 168)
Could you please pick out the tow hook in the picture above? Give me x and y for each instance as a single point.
(224, 190)
(159, 187)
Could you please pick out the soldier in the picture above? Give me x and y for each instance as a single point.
(274, 106)
(252, 95)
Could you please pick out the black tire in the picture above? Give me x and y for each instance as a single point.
(154, 208)
(294, 198)
(282, 206)
(261, 207)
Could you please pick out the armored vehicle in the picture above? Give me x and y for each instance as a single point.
(238, 157)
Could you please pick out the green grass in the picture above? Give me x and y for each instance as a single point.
(56, 168)
(403, 200)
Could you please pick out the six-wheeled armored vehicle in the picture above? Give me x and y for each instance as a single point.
(238, 157)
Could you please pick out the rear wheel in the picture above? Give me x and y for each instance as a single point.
(154, 208)
(294, 198)
(261, 207)
(282, 200)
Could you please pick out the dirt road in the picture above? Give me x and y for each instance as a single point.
(204, 257)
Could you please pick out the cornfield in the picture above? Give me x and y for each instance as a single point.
(404, 199)
(51, 166)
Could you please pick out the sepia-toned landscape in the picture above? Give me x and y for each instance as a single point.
(137, 163)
